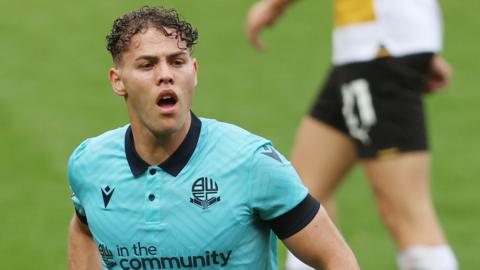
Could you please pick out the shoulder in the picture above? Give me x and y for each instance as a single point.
(231, 136)
(92, 149)
(235, 145)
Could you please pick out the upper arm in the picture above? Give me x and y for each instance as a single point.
(82, 250)
(320, 244)
(77, 226)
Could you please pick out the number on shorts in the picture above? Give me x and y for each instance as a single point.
(356, 94)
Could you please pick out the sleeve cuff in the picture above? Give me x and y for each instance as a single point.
(296, 219)
(82, 218)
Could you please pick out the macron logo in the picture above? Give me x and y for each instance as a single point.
(107, 193)
(270, 151)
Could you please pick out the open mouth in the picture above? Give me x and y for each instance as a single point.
(167, 99)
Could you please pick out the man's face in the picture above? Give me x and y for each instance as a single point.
(157, 79)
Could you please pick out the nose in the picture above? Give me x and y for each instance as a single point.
(164, 74)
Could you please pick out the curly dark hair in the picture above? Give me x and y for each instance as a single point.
(131, 23)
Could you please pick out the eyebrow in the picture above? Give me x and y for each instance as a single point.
(153, 57)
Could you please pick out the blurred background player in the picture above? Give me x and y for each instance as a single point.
(385, 57)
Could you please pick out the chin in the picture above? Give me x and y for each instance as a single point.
(167, 128)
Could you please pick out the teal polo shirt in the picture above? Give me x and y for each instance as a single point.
(218, 202)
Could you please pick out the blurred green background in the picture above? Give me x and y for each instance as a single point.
(54, 93)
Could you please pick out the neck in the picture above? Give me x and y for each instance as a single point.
(155, 148)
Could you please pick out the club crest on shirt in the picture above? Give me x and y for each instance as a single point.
(204, 191)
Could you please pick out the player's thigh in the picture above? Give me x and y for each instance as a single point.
(402, 191)
(401, 184)
(322, 156)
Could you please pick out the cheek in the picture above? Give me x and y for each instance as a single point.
(137, 94)
(190, 88)
(137, 84)
(192, 79)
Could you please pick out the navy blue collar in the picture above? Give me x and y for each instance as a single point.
(176, 162)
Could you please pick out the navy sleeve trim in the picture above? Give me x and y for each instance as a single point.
(81, 217)
(296, 219)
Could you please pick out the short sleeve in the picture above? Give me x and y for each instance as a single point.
(75, 181)
(278, 195)
(79, 210)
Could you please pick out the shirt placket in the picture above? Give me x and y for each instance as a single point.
(153, 188)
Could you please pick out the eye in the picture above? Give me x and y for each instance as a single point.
(178, 62)
(148, 65)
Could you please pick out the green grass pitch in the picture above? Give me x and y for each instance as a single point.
(54, 93)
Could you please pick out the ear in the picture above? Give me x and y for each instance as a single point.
(195, 66)
(116, 81)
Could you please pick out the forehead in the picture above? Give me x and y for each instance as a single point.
(154, 41)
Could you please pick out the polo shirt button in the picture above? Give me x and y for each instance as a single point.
(153, 171)
(151, 197)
